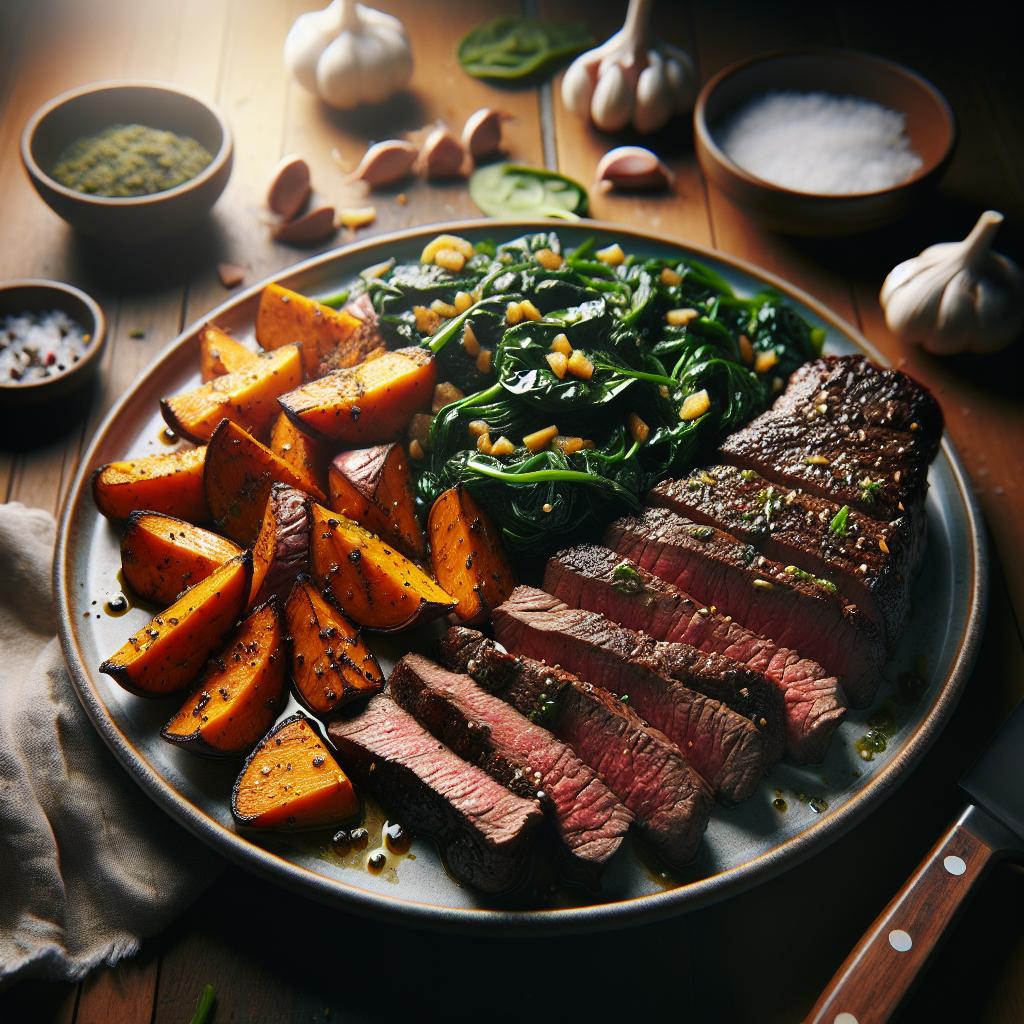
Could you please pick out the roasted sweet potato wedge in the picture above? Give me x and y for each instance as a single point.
(365, 404)
(291, 781)
(219, 353)
(285, 317)
(239, 474)
(373, 486)
(467, 555)
(281, 550)
(161, 556)
(248, 397)
(167, 654)
(371, 582)
(306, 455)
(241, 691)
(331, 666)
(171, 482)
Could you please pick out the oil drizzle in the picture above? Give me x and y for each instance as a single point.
(377, 846)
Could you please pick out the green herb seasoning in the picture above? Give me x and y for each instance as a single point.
(626, 579)
(130, 160)
(838, 524)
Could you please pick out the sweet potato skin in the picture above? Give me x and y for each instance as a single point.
(168, 653)
(281, 549)
(219, 353)
(240, 693)
(237, 479)
(467, 555)
(303, 786)
(170, 482)
(161, 556)
(306, 455)
(372, 583)
(331, 666)
(373, 486)
(285, 317)
(366, 404)
(248, 397)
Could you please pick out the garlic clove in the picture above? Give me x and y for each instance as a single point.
(632, 168)
(442, 155)
(682, 77)
(313, 226)
(307, 39)
(289, 187)
(655, 101)
(578, 84)
(611, 106)
(386, 162)
(481, 134)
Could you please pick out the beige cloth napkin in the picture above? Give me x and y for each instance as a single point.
(88, 865)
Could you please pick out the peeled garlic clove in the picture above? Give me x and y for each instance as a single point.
(386, 162)
(612, 104)
(442, 155)
(578, 83)
(289, 187)
(655, 101)
(632, 168)
(481, 134)
(313, 226)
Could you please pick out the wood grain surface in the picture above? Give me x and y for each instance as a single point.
(763, 956)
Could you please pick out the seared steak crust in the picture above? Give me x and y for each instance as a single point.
(593, 577)
(526, 758)
(484, 831)
(644, 769)
(723, 572)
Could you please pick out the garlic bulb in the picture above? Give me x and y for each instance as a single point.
(349, 54)
(627, 80)
(957, 296)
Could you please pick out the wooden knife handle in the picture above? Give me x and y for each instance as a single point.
(875, 977)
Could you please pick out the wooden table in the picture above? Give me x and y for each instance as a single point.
(761, 956)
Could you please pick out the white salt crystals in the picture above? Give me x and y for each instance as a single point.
(820, 143)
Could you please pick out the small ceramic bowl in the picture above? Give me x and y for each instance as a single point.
(89, 110)
(30, 296)
(930, 127)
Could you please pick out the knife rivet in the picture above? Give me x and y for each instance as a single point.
(900, 940)
(955, 865)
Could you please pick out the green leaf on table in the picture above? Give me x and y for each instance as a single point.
(515, 190)
(511, 47)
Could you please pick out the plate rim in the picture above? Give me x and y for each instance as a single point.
(237, 847)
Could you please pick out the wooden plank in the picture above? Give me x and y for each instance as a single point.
(682, 211)
(124, 993)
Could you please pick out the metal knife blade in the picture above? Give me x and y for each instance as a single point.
(995, 782)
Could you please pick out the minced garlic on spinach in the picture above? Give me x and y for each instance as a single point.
(130, 160)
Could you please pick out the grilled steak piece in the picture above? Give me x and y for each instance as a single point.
(484, 831)
(725, 573)
(484, 730)
(640, 764)
(868, 559)
(725, 748)
(595, 578)
(849, 431)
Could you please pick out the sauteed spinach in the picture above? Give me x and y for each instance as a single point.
(655, 334)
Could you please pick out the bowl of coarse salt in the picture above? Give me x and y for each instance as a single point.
(823, 142)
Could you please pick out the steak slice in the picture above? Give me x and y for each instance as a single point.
(484, 831)
(725, 748)
(640, 765)
(870, 560)
(595, 578)
(483, 729)
(730, 576)
(849, 431)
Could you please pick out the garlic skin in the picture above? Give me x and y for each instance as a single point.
(631, 78)
(349, 54)
(957, 296)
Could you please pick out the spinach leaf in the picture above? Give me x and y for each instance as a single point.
(510, 47)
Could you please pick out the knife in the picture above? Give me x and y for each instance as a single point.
(870, 985)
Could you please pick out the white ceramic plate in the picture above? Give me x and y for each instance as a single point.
(743, 845)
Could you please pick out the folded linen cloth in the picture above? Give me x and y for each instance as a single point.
(88, 865)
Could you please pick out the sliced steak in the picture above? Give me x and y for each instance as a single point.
(725, 748)
(725, 573)
(833, 435)
(484, 831)
(640, 764)
(483, 729)
(868, 559)
(595, 578)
